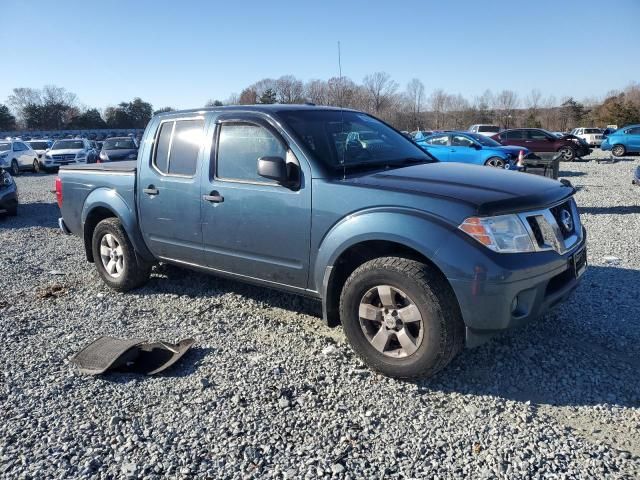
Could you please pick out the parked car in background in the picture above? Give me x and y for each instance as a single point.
(117, 149)
(487, 130)
(593, 136)
(8, 194)
(622, 141)
(16, 156)
(412, 256)
(473, 148)
(40, 147)
(607, 131)
(539, 140)
(420, 134)
(69, 152)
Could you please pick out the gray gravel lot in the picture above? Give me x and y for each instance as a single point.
(258, 398)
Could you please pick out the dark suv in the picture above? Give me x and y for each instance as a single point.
(539, 140)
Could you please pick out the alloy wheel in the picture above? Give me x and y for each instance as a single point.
(495, 162)
(112, 255)
(391, 321)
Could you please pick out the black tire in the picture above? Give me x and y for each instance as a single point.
(495, 162)
(443, 335)
(15, 168)
(135, 271)
(618, 150)
(568, 153)
(36, 166)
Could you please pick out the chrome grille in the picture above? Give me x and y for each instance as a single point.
(65, 156)
(556, 228)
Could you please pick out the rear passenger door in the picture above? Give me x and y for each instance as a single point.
(252, 226)
(169, 190)
(634, 139)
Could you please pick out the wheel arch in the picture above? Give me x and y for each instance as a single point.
(406, 234)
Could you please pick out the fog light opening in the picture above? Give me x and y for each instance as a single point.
(514, 304)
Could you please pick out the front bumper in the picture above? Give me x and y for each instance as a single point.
(8, 199)
(488, 307)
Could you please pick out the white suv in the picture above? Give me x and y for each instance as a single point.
(69, 152)
(16, 155)
(593, 136)
(486, 130)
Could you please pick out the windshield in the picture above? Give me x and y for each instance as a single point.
(592, 130)
(4, 147)
(488, 128)
(484, 140)
(70, 144)
(339, 138)
(39, 145)
(118, 144)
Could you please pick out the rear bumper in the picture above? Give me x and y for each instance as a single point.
(488, 307)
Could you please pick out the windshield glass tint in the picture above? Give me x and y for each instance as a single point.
(483, 140)
(488, 128)
(336, 137)
(67, 144)
(119, 144)
(39, 145)
(4, 147)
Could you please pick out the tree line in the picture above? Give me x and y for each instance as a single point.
(410, 108)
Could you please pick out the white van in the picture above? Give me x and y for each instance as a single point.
(486, 130)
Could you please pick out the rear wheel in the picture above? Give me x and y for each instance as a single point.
(115, 258)
(401, 317)
(495, 162)
(618, 150)
(15, 168)
(568, 153)
(36, 166)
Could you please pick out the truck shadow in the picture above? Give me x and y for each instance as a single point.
(37, 214)
(587, 352)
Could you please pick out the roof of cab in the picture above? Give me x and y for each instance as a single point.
(270, 108)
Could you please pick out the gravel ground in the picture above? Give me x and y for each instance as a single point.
(270, 392)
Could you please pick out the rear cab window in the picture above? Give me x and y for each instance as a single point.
(178, 145)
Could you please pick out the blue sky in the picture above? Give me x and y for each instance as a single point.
(181, 53)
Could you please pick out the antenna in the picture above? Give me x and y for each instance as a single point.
(344, 148)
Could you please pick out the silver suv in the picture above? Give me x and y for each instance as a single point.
(69, 152)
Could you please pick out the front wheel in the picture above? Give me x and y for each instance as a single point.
(115, 258)
(496, 162)
(568, 153)
(618, 150)
(36, 166)
(15, 168)
(401, 317)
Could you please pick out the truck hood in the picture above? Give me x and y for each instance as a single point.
(489, 191)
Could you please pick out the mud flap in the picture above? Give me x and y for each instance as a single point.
(134, 355)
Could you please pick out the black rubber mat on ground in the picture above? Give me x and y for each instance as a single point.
(129, 355)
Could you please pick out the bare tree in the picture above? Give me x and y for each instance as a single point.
(458, 109)
(438, 103)
(289, 89)
(415, 98)
(317, 91)
(380, 90)
(505, 104)
(248, 96)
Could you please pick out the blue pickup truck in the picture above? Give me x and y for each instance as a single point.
(415, 258)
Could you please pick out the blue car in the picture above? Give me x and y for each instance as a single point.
(623, 141)
(473, 148)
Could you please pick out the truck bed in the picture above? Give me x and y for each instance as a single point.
(128, 166)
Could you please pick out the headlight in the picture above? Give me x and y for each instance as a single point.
(5, 179)
(48, 155)
(503, 233)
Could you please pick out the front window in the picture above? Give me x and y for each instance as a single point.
(539, 135)
(119, 144)
(438, 140)
(5, 147)
(68, 144)
(461, 141)
(345, 138)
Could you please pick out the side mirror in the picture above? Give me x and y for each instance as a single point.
(273, 168)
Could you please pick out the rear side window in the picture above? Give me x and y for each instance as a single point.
(537, 135)
(489, 129)
(240, 145)
(634, 131)
(513, 135)
(178, 146)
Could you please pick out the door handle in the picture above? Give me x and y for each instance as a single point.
(151, 190)
(213, 197)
